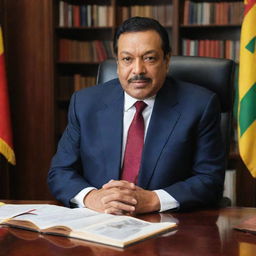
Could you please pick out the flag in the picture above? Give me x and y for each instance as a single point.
(247, 88)
(6, 145)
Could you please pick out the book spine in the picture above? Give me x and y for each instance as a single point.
(76, 16)
(61, 14)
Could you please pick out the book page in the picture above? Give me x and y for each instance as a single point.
(247, 225)
(8, 211)
(47, 216)
(118, 229)
(124, 228)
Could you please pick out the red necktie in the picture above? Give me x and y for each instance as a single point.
(134, 145)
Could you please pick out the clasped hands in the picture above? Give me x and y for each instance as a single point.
(122, 197)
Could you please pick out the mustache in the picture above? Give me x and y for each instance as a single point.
(139, 78)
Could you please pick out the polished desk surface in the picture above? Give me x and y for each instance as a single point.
(201, 232)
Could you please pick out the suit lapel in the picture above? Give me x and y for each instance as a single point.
(163, 120)
(110, 118)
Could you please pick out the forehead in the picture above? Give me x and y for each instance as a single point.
(139, 41)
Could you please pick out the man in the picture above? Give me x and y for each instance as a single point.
(101, 162)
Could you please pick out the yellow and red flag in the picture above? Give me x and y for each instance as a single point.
(6, 144)
(247, 88)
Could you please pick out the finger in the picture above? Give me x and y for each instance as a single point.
(114, 211)
(119, 206)
(119, 184)
(121, 197)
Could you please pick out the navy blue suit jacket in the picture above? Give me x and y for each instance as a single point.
(183, 152)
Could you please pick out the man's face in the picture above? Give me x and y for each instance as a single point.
(142, 66)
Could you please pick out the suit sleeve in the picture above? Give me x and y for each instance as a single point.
(205, 186)
(64, 177)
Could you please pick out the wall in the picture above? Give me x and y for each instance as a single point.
(28, 36)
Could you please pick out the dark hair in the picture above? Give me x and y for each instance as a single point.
(137, 24)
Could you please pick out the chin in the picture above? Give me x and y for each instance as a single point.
(140, 96)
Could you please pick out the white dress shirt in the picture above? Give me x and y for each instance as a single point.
(167, 202)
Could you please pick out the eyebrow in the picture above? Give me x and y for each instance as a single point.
(147, 52)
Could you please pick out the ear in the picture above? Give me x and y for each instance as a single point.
(117, 63)
(168, 61)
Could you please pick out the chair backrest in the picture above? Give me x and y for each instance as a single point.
(212, 73)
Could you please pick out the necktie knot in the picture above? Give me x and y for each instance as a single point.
(140, 106)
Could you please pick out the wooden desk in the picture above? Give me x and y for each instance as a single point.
(205, 232)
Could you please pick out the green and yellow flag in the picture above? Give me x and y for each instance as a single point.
(247, 88)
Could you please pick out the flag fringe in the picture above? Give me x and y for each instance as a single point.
(7, 152)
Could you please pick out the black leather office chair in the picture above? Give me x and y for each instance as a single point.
(214, 74)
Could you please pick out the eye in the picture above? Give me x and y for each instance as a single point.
(150, 58)
(127, 60)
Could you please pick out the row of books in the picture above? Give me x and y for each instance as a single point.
(212, 48)
(162, 13)
(69, 84)
(81, 81)
(84, 51)
(219, 13)
(102, 15)
(85, 15)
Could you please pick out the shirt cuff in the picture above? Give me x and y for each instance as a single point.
(167, 202)
(79, 198)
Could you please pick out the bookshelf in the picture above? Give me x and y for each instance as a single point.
(39, 99)
(211, 28)
(83, 32)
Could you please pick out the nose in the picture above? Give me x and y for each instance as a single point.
(139, 67)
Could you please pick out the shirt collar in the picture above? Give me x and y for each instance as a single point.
(129, 101)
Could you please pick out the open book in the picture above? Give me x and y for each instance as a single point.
(247, 225)
(80, 223)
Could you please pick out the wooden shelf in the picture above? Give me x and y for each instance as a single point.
(81, 28)
(76, 63)
(207, 26)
